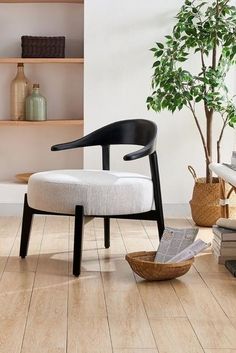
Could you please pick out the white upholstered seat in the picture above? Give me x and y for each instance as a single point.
(100, 192)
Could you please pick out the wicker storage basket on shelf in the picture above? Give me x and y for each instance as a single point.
(143, 264)
(43, 47)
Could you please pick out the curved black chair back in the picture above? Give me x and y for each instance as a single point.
(129, 132)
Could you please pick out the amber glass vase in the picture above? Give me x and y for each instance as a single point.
(19, 92)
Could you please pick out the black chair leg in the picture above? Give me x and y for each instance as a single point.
(157, 193)
(107, 232)
(160, 225)
(78, 240)
(26, 227)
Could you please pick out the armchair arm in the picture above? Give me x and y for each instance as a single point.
(85, 141)
(143, 152)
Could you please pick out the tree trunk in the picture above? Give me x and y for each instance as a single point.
(209, 118)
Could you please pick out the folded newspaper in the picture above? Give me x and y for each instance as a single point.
(179, 245)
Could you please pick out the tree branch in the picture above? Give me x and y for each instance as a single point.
(201, 133)
(214, 52)
(225, 121)
(204, 75)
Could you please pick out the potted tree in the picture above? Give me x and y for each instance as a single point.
(208, 30)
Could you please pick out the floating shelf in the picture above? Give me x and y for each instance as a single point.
(75, 122)
(42, 1)
(42, 60)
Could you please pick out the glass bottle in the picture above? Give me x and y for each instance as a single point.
(36, 106)
(19, 92)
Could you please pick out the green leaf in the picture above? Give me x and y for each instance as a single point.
(149, 99)
(159, 53)
(160, 45)
(156, 63)
(188, 31)
(198, 99)
(182, 59)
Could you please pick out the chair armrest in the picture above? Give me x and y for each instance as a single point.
(143, 152)
(85, 141)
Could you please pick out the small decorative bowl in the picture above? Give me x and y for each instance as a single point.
(143, 264)
(23, 177)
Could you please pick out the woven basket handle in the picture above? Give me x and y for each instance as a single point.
(192, 171)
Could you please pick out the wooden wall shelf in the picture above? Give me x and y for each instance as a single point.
(49, 122)
(42, 1)
(42, 60)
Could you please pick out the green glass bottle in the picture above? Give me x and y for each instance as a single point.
(35, 106)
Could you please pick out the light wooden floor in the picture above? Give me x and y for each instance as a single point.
(43, 309)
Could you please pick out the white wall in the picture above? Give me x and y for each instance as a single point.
(118, 35)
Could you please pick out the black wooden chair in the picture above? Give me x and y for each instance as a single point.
(102, 193)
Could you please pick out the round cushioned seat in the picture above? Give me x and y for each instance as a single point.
(99, 192)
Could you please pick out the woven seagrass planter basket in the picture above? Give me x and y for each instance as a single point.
(205, 202)
(143, 264)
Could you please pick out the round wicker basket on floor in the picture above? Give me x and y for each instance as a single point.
(143, 264)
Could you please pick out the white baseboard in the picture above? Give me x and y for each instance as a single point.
(170, 210)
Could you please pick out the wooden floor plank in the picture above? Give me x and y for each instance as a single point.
(160, 299)
(126, 225)
(220, 350)
(212, 326)
(89, 335)
(57, 224)
(86, 297)
(15, 294)
(177, 223)
(117, 248)
(128, 321)
(135, 351)
(3, 261)
(47, 320)
(117, 275)
(116, 272)
(9, 226)
(223, 287)
(206, 263)
(205, 234)
(15, 263)
(175, 335)
(133, 245)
